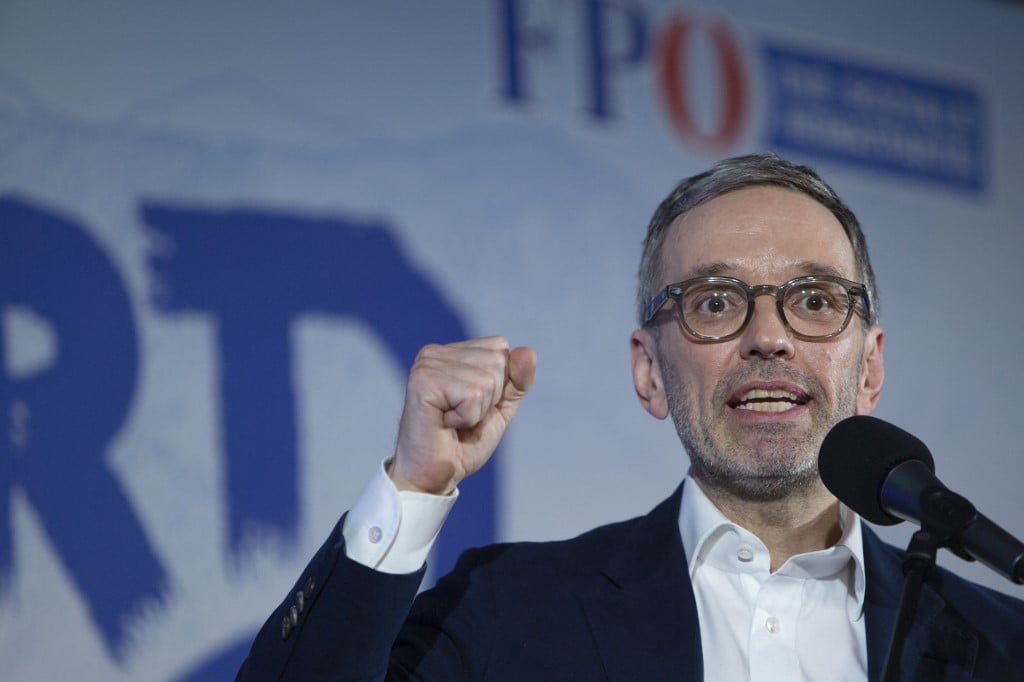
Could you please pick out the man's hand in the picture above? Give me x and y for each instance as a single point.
(458, 403)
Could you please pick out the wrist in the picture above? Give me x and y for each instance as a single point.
(409, 484)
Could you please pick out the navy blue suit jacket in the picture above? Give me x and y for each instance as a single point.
(613, 604)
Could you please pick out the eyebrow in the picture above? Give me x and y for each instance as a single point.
(806, 267)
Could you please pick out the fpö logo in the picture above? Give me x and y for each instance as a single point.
(814, 103)
(615, 38)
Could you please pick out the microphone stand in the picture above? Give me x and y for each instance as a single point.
(945, 516)
(919, 560)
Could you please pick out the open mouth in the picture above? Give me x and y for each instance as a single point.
(768, 400)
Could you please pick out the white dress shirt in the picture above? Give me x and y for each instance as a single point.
(392, 531)
(802, 622)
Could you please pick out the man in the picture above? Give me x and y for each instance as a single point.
(758, 332)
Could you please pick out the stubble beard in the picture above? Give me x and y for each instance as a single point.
(783, 460)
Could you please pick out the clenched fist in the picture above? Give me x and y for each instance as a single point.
(458, 403)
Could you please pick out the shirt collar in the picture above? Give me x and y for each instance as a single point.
(702, 526)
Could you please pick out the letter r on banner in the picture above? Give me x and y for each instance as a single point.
(61, 416)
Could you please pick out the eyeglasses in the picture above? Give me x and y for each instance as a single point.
(812, 307)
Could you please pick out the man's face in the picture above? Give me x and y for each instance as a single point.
(752, 411)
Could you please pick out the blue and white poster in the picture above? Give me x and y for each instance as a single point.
(227, 228)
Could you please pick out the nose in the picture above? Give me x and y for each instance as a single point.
(766, 336)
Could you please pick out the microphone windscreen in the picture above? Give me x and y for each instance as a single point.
(857, 456)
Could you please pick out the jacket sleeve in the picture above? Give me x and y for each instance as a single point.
(339, 622)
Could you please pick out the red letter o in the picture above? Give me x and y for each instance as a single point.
(675, 88)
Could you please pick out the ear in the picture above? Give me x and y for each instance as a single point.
(872, 371)
(647, 373)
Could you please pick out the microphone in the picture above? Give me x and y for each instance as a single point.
(887, 476)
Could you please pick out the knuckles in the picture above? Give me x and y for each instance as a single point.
(482, 366)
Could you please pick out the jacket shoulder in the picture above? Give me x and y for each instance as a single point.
(642, 541)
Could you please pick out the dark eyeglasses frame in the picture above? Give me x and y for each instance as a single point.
(855, 292)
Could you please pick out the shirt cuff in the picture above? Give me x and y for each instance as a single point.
(392, 531)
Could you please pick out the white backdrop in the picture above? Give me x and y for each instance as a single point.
(509, 154)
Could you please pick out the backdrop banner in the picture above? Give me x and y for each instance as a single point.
(227, 228)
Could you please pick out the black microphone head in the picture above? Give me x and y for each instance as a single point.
(857, 456)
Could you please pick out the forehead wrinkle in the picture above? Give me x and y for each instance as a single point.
(803, 267)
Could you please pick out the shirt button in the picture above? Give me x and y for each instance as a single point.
(745, 554)
(375, 534)
(773, 625)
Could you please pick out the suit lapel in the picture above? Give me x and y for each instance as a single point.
(643, 615)
(640, 604)
(938, 647)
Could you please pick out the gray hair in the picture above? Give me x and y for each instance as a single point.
(736, 173)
